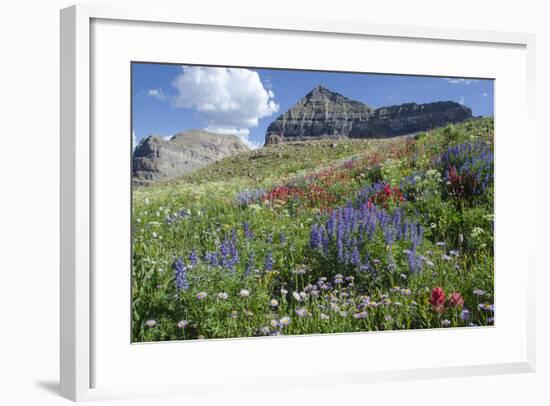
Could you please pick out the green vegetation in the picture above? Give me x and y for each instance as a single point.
(320, 237)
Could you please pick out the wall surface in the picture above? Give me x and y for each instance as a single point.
(29, 203)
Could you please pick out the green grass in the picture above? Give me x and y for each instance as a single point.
(274, 163)
(200, 213)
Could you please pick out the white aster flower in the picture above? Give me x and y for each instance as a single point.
(285, 321)
(151, 323)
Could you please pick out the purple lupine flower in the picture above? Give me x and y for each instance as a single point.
(234, 254)
(315, 238)
(180, 271)
(340, 240)
(211, 258)
(416, 235)
(183, 213)
(248, 234)
(331, 223)
(413, 262)
(472, 161)
(365, 267)
(350, 228)
(355, 257)
(224, 253)
(229, 256)
(269, 262)
(193, 259)
(249, 264)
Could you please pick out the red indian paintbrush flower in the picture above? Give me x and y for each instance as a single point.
(456, 299)
(437, 300)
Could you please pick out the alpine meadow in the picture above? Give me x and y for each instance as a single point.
(348, 218)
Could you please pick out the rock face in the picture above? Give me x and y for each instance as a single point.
(156, 158)
(320, 114)
(326, 114)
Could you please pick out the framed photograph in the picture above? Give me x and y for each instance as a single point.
(266, 202)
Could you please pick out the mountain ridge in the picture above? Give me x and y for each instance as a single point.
(157, 158)
(323, 113)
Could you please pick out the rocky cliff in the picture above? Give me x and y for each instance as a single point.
(320, 114)
(323, 113)
(157, 158)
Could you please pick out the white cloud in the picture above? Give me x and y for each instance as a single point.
(251, 144)
(242, 133)
(157, 94)
(134, 141)
(230, 100)
(461, 101)
(484, 94)
(458, 80)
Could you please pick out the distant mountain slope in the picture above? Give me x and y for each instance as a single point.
(323, 113)
(277, 163)
(156, 158)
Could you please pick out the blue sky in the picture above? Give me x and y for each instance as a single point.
(171, 98)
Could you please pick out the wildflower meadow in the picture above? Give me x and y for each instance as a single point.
(320, 237)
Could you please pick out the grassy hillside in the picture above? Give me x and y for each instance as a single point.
(322, 236)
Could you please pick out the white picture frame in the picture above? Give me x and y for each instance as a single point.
(77, 188)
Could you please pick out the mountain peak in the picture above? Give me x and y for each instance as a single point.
(157, 158)
(320, 113)
(330, 100)
(321, 91)
(323, 113)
